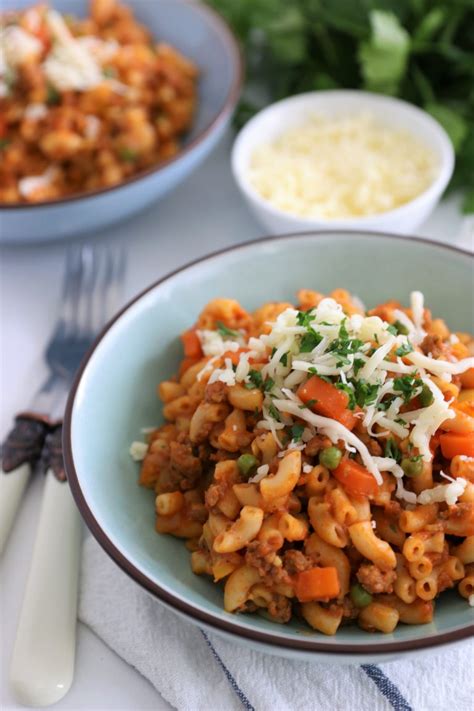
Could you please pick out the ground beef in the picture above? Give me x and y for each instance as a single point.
(393, 509)
(262, 556)
(295, 562)
(216, 392)
(374, 580)
(316, 444)
(434, 347)
(185, 467)
(280, 609)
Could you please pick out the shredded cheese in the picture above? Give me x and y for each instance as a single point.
(138, 450)
(339, 167)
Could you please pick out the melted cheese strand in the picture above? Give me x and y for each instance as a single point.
(333, 429)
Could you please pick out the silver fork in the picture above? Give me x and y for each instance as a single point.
(42, 665)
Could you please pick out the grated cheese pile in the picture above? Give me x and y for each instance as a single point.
(342, 167)
(378, 368)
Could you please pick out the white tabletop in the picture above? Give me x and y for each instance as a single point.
(204, 214)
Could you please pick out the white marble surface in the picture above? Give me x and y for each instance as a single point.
(204, 214)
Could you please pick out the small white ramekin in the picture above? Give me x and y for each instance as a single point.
(285, 114)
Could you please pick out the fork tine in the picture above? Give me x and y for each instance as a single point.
(72, 275)
(107, 293)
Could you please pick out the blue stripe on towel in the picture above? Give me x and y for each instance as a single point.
(230, 678)
(387, 687)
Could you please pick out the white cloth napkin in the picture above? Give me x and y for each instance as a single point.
(198, 671)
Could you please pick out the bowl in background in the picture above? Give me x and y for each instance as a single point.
(113, 398)
(200, 34)
(270, 123)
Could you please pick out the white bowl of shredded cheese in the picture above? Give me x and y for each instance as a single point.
(342, 159)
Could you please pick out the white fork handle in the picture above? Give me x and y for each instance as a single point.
(12, 486)
(42, 664)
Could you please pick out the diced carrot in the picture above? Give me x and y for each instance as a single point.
(453, 444)
(355, 478)
(317, 584)
(328, 400)
(191, 343)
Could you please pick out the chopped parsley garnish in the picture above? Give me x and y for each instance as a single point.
(274, 412)
(400, 328)
(284, 359)
(312, 371)
(357, 365)
(343, 346)
(385, 404)
(52, 95)
(109, 72)
(297, 432)
(256, 380)
(365, 393)
(392, 450)
(304, 318)
(128, 154)
(224, 331)
(309, 341)
(392, 329)
(404, 349)
(401, 421)
(310, 403)
(268, 385)
(349, 392)
(407, 386)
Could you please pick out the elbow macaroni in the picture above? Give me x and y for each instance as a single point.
(259, 505)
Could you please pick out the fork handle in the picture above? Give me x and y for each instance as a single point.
(12, 486)
(42, 665)
(20, 450)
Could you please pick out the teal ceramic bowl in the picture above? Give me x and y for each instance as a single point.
(114, 397)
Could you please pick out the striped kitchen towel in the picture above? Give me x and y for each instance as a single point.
(195, 670)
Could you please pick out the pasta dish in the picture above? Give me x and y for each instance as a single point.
(86, 103)
(319, 459)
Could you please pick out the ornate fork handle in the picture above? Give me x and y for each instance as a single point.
(52, 454)
(25, 441)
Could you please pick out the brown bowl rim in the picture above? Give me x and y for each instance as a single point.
(175, 602)
(228, 106)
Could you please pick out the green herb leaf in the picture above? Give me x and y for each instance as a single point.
(52, 95)
(350, 394)
(392, 329)
(297, 432)
(392, 450)
(274, 412)
(256, 380)
(284, 359)
(4, 142)
(455, 126)
(407, 385)
(384, 57)
(404, 349)
(224, 331)
(128, 155)
(309, 341)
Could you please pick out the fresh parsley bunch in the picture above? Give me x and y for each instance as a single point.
(419, 50)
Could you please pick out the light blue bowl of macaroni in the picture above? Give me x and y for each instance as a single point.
(303, 446)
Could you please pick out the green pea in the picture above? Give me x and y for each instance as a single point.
(412, 467)
(426, 396)
(330, 457)
(403, 330)
(359, 595)
(247, 464)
